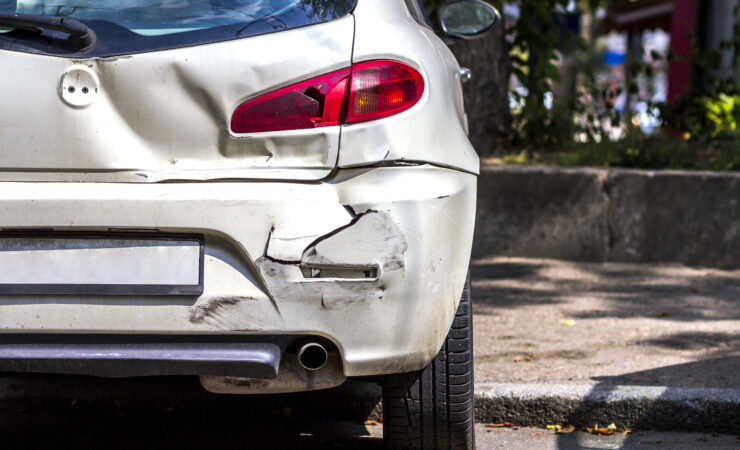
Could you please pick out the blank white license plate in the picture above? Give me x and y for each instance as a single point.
(101, 265)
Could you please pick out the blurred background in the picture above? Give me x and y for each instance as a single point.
(608, 83)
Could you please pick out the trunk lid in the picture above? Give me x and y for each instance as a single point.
(164, 115)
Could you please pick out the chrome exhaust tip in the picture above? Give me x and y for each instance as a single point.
(312, 356)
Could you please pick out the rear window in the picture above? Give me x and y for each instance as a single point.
(135, 26)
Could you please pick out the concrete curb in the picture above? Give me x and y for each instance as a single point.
(617, 215)
(637, 407)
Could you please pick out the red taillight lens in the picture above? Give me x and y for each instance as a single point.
(381, 89)
(314, 103)
(377, 89)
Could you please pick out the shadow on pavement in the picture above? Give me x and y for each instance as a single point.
(673, 292)
(720, 359)
(176, 413)
(725, 372)
(681, 405)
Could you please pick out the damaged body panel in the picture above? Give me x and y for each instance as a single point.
(391, 33)
(344, 222)
(414, 224)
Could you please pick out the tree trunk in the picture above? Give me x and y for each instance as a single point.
(486, 95)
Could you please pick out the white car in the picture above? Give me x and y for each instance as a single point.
(273, 195)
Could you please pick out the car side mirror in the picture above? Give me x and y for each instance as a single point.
(468, 19)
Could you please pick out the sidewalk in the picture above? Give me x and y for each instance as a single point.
(651, 346)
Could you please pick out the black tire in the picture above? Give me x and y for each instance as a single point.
(433, 408)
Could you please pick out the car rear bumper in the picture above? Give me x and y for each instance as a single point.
(373, 260)
(137, 355)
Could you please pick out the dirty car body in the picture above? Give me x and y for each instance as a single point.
(148, 230)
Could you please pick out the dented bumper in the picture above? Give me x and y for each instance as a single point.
(374, 260)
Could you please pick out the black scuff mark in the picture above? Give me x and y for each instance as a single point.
(442, 196)
(213, 307)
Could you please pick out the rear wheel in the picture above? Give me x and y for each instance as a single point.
(433, 408)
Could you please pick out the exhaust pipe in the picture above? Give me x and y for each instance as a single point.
(312, 356)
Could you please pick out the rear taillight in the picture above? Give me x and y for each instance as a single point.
(314, 103)
(368, 91)
(381, 89)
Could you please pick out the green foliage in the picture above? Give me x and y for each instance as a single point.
(655, 152)
(536, 40)
(518, 158)
(710, 107)
(432, 7)
(724, 112)
(701, 127)
(637, 151)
